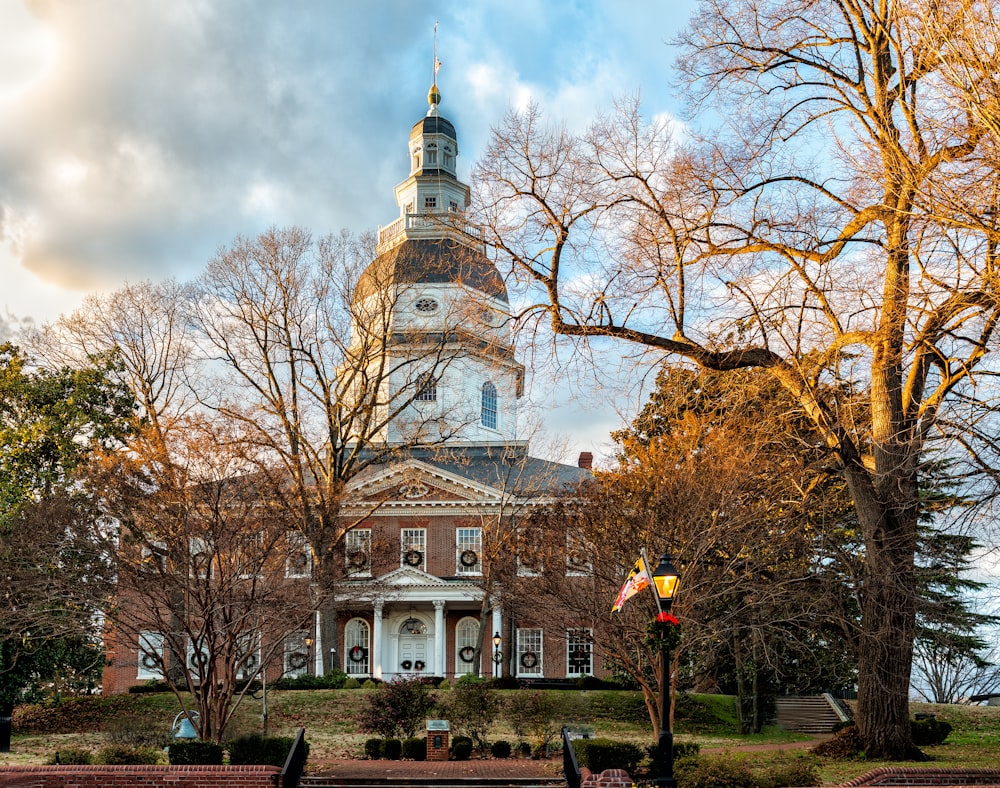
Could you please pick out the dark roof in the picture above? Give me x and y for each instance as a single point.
(441, 261)
(507, 467)
(433, 124)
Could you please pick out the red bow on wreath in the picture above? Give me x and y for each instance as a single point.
(666, 618)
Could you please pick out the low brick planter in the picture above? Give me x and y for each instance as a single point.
(146, 776)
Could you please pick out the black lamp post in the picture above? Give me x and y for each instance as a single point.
(665, 579)
(309, 648)
(497, 655)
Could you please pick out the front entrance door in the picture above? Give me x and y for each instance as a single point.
(413, 654)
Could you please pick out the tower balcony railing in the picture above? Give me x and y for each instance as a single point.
(423, 226)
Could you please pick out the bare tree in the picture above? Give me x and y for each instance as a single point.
(835, 227)
(314, 362)
(200, 546)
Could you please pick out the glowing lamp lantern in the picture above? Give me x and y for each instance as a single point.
(665, 578)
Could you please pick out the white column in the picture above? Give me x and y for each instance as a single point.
(439, 638)
(317, 668)
(376, 666)
(497, 627)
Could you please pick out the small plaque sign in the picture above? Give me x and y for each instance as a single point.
(437, 725)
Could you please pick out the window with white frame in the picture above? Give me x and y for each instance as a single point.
(249, 556)
(430, 203)
(426, 388)
(488, 415)
(466, 635)
(431, 155)
(529, 652)
(150, 656)
(247, 655)
(579, 652)
(358, 551)
(529, 555)
(578, 556)
(449, 157)
(469, 551)
(298, 562)
(198, 658)
(296, 657)
(413, 546)
(356, 645)
(154, 556)
(200, 557)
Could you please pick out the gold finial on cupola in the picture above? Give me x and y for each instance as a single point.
(434, 95)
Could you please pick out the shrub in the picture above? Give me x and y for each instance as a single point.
(715, 771)
(370, 684)
(195, 753)
(373, 749)
(591, 683)
(335, 679)
(255, 749)
(472, 708)
(469, 678)
(461, 748)
(73, 756)
(396, 708)
(505, 683)
(352, 683)
(500, 749)
(132, 732)
(534, 713)
(123, 755)
(846, 743)
(601, 754)
(153, 685)
(523, 749)
(415, 748)
(392, 749)
(686, 749)
(800, 771)
(929, 731)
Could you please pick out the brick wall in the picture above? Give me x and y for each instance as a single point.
(919, 776)
(147, 776)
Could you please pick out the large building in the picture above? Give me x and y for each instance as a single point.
(440, 558)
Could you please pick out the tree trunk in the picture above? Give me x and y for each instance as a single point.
(329, 640)
(888, 609)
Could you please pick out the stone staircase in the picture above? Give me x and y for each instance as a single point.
(414, 781)
(808, 714)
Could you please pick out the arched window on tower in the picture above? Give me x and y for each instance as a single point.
(431, 155)
(488, 416)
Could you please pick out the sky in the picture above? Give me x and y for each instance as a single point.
(137, 138)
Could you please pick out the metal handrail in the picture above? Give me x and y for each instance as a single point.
(295, 763)
(570, 769)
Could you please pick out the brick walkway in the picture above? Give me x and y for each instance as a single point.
(493, 768)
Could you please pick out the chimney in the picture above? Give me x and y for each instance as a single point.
(586, 460)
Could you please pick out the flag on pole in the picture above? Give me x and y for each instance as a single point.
(637, 580)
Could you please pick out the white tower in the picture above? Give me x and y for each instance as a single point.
(441, 305)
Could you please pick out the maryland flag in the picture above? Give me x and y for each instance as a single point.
(637, 580)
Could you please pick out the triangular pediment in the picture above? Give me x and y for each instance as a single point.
(416, 483)
(408, 576)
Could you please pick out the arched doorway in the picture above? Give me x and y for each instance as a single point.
(414, 648)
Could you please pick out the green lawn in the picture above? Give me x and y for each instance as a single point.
(328, 717)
